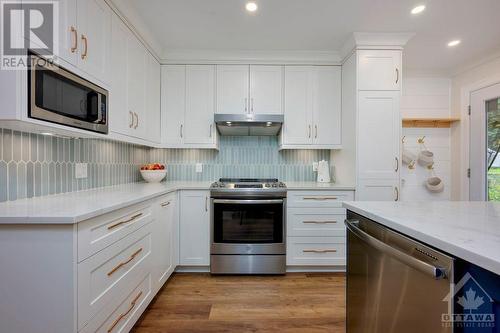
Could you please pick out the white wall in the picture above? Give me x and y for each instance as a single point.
(426, 97)
(473, 78)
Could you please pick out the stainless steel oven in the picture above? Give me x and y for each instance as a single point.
(248, 227)
(59, 96)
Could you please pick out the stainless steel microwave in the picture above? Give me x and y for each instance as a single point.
(59, 96)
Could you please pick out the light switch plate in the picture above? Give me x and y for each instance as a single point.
(315, 166)
(199, 167)
(80, 170)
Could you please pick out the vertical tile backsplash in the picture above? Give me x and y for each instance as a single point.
(36, 165)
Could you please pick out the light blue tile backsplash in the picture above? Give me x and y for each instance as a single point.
(36, 165)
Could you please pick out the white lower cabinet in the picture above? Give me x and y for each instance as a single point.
(315, 228)
(194, 216)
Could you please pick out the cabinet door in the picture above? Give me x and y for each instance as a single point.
(377, 190)
(173, 103)
(152, 112)
(327, 114)
(94, 25)
(136, 67)
(232, 89)
(120, 118)
(297, 127)
(194, 228)
(266, 89)
(200, 104)
(163, 241)
(379, 127)
(379, 70)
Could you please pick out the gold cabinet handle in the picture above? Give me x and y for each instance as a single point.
(210, 130)
(136, 120)
(123, 263)
(84, 53)
(320, 198)
(75, 39)
(131, 124)
(126, 221)
(246, 103)
(181, 130)
(319, 251)
(397, 164)
(309, 132)
(397, 75)
(121, 316)
(319, 222)
(316, 131)
(396, 190)
(165, 204)
(251, 101)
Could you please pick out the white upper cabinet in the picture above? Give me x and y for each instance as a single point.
(68, 32)
(232, 89)
(327, 109)
(200, 104)
(94, 33)
(379, 70)
(378, 131)
(266, 89)
(173, 103)
(297, 127)
(136, 92)
(152, 112)
(312, 107)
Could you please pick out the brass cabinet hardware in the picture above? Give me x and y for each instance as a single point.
(85, 42)
(246, 105)
(75, 40)
(206, 204)
(396, 190)
(210, 130)
(397, 164)
(181, 128)
(131, 124)
(319, 251)
(320, 198)
(251, 101)
(123, 263)
(309, 132)
(136, 120)
(319, 222)
(126, 221)
(121, 316)
(164, 204)
(315, 131)
(397, 75)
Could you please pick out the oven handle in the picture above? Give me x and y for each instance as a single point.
(251, 202)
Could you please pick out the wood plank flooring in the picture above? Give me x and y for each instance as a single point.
(203, 303)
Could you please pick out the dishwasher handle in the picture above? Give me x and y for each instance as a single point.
(436, 272)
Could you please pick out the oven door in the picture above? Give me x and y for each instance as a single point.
(248, 226)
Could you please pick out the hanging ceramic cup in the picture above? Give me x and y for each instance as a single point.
(425, 158)
(434, 184)
(408, 156)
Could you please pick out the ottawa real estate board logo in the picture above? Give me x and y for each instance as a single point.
(30, 25)
(475, 303)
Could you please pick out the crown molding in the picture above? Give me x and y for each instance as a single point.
(375, 40)
(205, 56)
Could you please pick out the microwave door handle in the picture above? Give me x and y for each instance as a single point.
(252, 201)
(99, 109)
(436, 272)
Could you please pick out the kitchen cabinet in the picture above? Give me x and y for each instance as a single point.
(379, 70)
(378, 190)
(151, 130)
(194, 221)
(312, 107)
(188, 104)
(136, 92)
(253, 89)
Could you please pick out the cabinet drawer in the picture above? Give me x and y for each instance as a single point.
(318, 198)
(121, 318)
(97, 233)
(315, 251)
(315, 221)
(107, 275)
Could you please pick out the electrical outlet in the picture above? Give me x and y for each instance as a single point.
(315, 166)
(199, 167)
(80, 170)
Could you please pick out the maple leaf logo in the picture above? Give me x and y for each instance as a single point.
(470, 301)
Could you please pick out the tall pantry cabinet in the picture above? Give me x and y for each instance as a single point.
(371, 94)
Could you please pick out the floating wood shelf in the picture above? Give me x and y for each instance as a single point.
(429, 122)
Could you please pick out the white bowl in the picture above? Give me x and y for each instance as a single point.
(153, 176)
(425, 158)
(435, 184)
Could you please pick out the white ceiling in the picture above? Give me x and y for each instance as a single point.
(321, 25)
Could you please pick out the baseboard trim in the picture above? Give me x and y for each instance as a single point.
(289, 269)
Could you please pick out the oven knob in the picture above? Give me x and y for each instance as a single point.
(275, 185)
(268, 185)
(222, 185)
(282, 185)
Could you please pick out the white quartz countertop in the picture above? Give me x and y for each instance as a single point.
(69, 208)
(467, 230)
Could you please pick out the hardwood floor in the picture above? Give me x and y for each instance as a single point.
(292, 303)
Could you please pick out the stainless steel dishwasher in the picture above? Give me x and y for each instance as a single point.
(394, 283)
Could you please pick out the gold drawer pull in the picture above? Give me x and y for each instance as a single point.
(120, 265)
(320, 198)
(319, 222)
(126, 221)
(319, 251)
(165, 204)
(120, 317)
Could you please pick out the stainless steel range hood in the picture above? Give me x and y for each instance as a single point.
(249, 124)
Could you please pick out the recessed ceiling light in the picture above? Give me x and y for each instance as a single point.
(251, 6)
(418, 9)
(47, 133)
(454, 42)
